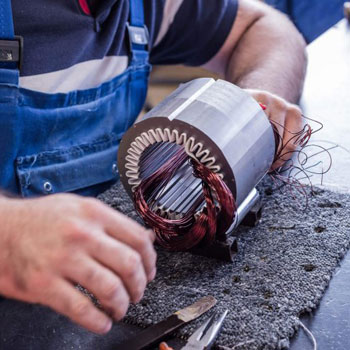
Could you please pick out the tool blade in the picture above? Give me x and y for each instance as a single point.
(197, 309)
(157, 332)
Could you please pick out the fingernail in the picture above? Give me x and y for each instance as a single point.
(153, 274)
(139, 298)
(108, 327)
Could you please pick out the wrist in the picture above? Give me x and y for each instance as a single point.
(9, 218)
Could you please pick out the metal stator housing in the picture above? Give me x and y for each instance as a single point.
(219, 125)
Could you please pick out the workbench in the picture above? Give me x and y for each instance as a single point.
(326, 98)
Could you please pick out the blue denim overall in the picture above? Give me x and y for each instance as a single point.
(53, 143)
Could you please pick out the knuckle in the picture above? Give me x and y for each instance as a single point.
(111, 290)
(295, 112)
(74, 232)
(81, 309)
(295, 109)
(91, 206)
(263, 95)
(99, 246)
(91, 276)
(280, 104)
(143, 243)
(134, 260)
(133, 263)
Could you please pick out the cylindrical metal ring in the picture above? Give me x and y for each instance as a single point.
(217, 123)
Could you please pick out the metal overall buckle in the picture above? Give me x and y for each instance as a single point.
(137, 36)
(11, 50)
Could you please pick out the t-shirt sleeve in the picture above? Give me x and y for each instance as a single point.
(191, 32)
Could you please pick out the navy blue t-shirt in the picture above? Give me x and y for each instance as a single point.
(78, 44)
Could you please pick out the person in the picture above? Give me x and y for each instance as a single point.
(308, 15)
(81, 84)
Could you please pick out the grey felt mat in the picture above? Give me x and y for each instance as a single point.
(281, 271)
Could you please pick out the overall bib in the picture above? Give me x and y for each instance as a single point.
(53, 143)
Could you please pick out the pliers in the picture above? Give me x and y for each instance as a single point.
(203, 338)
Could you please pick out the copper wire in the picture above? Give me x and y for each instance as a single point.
(193, 227)
(299, 168)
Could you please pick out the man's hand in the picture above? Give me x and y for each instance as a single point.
(285, 116)
(50, 244)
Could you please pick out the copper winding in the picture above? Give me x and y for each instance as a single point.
(188, 231)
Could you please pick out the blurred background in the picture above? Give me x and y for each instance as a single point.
(312, 18)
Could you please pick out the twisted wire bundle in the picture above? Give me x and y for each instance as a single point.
(182, 234)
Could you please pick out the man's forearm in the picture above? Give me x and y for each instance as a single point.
(265, 54)
(270, 56)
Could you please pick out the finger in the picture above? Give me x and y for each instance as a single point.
(293, 126)
(67, 300)
(278, 163)
(152, 235)
(277, 116)
(103, 284)
(130, 233)
(275, 109)
(140, 242)
(122, 260)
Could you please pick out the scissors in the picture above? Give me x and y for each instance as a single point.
(203, 338)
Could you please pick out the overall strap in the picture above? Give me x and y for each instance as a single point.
(11, 47)
(6, 20)
(138, 33)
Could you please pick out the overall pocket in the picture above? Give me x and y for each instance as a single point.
(69, 170)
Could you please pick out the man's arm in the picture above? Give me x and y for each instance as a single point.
(263, 51)
(265, 54)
